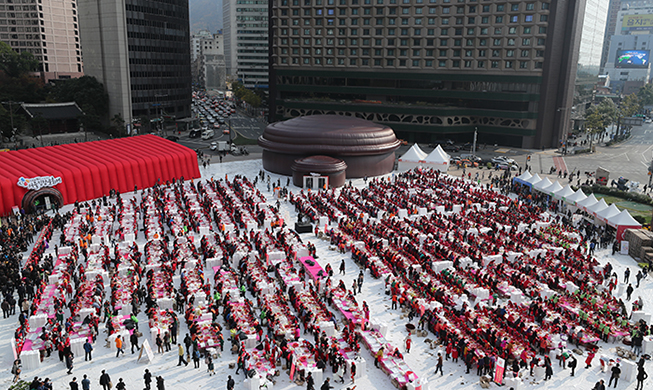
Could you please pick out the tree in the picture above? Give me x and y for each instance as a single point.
(119, 123)
(645, 95)
(630, 105)
(15, 64)
(90, 96)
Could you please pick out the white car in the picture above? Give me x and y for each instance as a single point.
(503, 160)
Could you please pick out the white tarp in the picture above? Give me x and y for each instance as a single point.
(551, 189)
(534, 179)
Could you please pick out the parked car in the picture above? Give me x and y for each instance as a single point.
(195, 133)
(172, 138)
(507, 167)
(503, 160)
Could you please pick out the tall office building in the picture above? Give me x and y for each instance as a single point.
(196, 49)
(430, 68)
(209, 65)
(46, 28)
(591, 42)
(140, 51)
(245, 27)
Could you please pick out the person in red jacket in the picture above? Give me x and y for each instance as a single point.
(588, 361)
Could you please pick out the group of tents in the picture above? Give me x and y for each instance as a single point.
(574, 200)
(416, 157)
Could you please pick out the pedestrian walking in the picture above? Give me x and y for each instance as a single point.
(629, 292)
(438, 366)
(342, 266)
(616, 373)
(181, 355)
(231, 383)
(310, 382)
(133, 340)
(588, 361)
(69, 362)
(408, 342)
(626, 276)
(210, 366)
(160, 385)
(88, 348)
(352, 370)
(120, 385)
(641, 377)
(147, 378)
(86, 383)
(572, 364)
(73, 384)
(159, 343)
(119, 349)
(196, 358)
(639, 277)
(15, 370)
(105, 381)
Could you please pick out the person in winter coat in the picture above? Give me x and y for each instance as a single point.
(641, 376)
(15, 369)
(86, 383)
(119, 349)
(105, 380)
(408, 343)
(69, 362)
(120, 385)
(147, 377)
(196, 358)
(181, 355)
(133, 339)
(600, 385)
(616, 373)
(310, 382)
(231, 383)
(159, 344)
(159, 383)
(210, 366)
(353, 372)
(326, 385)
(572, 364)
(588, 361)
(73, 384)
(88, 348)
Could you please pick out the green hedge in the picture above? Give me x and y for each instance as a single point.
(632, 196)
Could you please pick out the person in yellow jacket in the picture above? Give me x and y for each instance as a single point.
(377, 357)
(181, 355)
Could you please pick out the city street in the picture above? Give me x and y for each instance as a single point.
(243, 125)
(629, 159)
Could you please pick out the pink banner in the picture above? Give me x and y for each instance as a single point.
(498, 372)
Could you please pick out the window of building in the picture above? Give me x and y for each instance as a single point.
(514, 19)
(525, 53)
(542, 30)
(499, 19)
(544, 18)
(442, 63)
(444, 42)
(482, 53)
(445, 10)
(494, 64)
(402, 62)
(455, 63)
(523, 64)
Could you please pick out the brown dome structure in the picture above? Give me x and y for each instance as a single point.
(367, 148)
(331, 167)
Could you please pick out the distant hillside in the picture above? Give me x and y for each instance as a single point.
(205, 14)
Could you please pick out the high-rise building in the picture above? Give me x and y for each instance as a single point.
(140, 51)
(245, 26)
(46, 28)
(430, 68)
(195, 42)
(591, 42)
(210, 65)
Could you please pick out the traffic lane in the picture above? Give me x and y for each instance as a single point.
(629, 159)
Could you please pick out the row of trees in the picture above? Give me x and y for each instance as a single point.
(246, 95)
(599, 117)
(18, 84)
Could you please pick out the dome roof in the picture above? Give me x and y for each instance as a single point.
(319, 164)
(328, 134)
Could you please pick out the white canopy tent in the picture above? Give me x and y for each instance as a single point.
(413, 158)
(523, 178)
(564, 193)
(551, 189)
(578, 196)
(596, 207)
(608, 213)
(623, 221)
(542, 184)
(587, 202)
(533, 180)
(437, 159)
